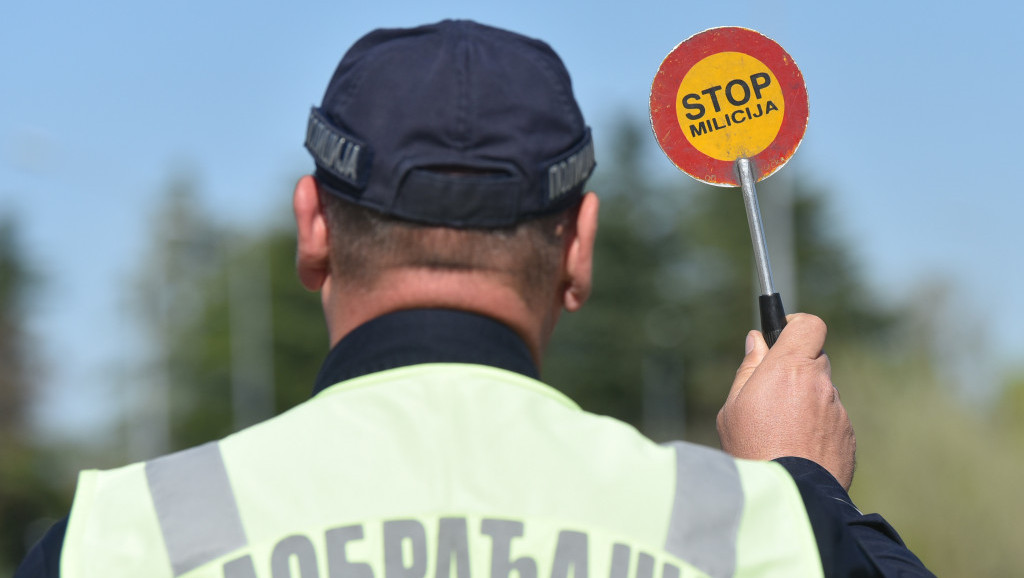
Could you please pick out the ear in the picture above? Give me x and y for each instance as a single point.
(579, 258)
(312, 259)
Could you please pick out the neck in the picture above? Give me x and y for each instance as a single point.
(347, 306)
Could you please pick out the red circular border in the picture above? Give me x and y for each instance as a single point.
(664, 91)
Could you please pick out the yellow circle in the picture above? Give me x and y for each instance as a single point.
(730, 106)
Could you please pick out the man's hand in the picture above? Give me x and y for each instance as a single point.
(782, 402)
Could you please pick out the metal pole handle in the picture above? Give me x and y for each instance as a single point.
(773, 314)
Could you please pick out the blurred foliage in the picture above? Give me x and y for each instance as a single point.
(1010, 408)
(233, 314)
(28, 490)
(200, 358)
(16, 284)
(656, 346)
(947, 478)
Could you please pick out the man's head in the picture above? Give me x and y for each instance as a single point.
(447, 156)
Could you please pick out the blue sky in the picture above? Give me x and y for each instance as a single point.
(915, 124)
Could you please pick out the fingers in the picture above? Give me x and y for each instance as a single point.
(804, 336)
(755, 348)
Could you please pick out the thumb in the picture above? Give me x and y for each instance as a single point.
(756, 349)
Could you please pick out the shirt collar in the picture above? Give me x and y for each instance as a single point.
(417, 336)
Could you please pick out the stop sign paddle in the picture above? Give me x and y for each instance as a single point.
(729, 108)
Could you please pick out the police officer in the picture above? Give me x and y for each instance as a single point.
(446, 227)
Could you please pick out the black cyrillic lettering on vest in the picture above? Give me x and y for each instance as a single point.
(240, 568)
(645, 566)
(620, 561)
(669, 570)
(501, 533)
(452, 540)
(396, 534)
(300, 548)
(571, 552)
(338, 565)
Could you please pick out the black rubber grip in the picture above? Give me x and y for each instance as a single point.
(773, 317)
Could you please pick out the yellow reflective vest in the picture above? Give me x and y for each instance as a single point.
(440, 471)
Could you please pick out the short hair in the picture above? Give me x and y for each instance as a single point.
(365, 243)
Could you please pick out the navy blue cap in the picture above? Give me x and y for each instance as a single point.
(455, 124)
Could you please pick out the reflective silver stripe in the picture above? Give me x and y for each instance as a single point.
(240, 568)
(195, 506)
(706, 511)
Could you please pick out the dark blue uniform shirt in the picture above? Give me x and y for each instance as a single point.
(850, 543)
